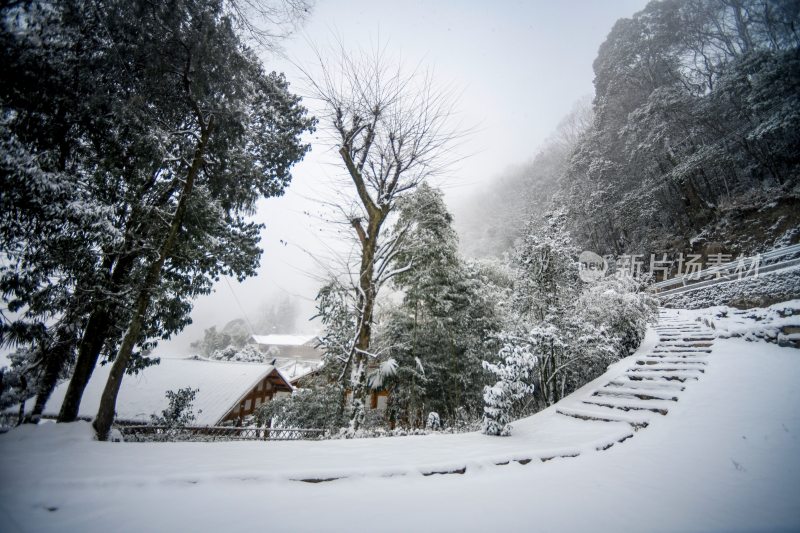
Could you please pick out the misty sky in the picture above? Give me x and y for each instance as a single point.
(519, 67)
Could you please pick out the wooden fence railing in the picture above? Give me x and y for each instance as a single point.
(146, 433)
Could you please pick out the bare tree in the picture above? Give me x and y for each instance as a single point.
(265, 23)
(392, 128)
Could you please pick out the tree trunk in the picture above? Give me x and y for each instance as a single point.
(367, 305)
(108, 401)
(55, 357)
(97, 331)
(368, 239)
(54, 362)
(89, 349)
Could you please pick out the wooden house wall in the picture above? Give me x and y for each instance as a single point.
(264, 391)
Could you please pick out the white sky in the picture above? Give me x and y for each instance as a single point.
(520, 66)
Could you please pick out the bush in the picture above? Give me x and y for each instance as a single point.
(304, 409)
(179, 412)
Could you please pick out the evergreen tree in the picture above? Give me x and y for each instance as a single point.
(243, 129)
(182, 120)
(438, 335)
(514, 373)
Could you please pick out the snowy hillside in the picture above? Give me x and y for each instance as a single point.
(691, 433)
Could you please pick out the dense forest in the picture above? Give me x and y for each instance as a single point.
(691, 139)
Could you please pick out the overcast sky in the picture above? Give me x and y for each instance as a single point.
(519, 67)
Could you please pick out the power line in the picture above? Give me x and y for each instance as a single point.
(239, 305)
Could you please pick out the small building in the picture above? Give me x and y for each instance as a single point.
(298, 371)
(288, 346)
(226, 391)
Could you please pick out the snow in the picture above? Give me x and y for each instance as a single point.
(725, 457)
(220, 387)
(768, 323)
(283, 340)
(293, 369)
(774, 285)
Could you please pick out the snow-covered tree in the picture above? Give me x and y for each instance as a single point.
(392, 129)
(235, 334)
(438, 334)
(561, 333)
(119, 161)
(241, 130)
(247, 354)
(514, 373)
(694, 127)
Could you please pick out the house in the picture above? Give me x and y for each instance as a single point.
(298, 371)
(300, 359)
(297, 356)
(288, 346)
(226, 391)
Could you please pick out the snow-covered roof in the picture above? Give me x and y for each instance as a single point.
(295, 369)
(221, 386)
(283, 340)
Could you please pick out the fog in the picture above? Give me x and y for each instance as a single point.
(518, 66)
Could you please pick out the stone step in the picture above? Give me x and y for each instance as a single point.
(682, 350)
(673, 355)
(644, 386)
(682, 344)
(682, 338)
(666, 367)
(649, 362)
(601, 414)
(639, 394)
(626, 404)
(675, 375)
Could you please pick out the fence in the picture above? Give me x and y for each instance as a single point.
(737, 269)
(147, 433)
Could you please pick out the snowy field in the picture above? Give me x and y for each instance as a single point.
(716, 448)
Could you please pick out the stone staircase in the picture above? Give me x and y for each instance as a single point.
(653, 382)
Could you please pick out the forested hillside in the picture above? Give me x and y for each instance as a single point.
(494, 219)
(694, 137)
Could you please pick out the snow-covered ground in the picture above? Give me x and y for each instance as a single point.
(715, 446)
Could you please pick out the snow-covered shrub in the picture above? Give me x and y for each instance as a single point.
(561, 332)
(514, 374)
(178, 413)
(373, 420)
(434, 423)
(618, 306)
(246, 354)
(305, 408)
(778, 323)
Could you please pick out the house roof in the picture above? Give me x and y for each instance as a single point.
(220, 384)
(295, 369)
(284, 340)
